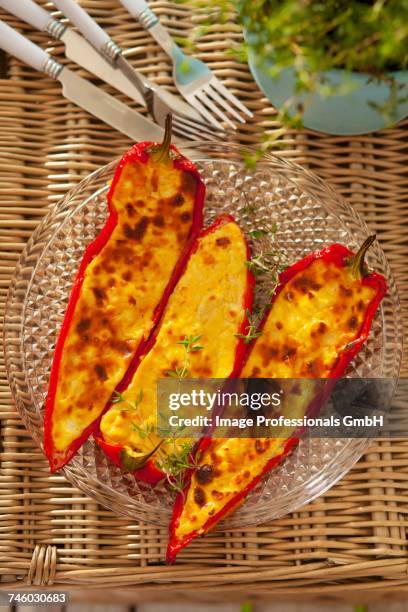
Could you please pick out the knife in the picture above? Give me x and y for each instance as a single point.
(187, 122)
(112, 53)
(83, 53)
(78, 90)
(77, 48)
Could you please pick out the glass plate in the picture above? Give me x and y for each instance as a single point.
(309, 215)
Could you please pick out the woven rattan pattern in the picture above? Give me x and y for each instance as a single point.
(355, 534)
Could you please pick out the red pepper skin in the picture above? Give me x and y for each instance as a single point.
(139, 152)
(150, 473)
(339, 255)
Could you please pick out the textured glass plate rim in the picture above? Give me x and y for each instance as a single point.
(318, 481)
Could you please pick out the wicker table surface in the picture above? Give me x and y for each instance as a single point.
(353, 537)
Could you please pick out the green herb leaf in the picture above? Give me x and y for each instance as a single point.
(182, 372)
(126, 405)
(174, 463)
(118, 397)
(144, 430)
(257, 233)
(312, 38)
(189, 343)
(251, 330)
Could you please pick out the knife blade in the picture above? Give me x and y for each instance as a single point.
(80, 51)
(106, 108)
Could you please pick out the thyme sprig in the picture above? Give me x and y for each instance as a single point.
(251, 332)
(182, 372)
(264, 263)
(250, 207)
(190, 345)
(257, 233)
(146, 429)
(127, 405)
(174, 464)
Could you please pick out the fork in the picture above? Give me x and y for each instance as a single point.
(194, 80)
(158, 101)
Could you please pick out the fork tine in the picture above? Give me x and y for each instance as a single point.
(181, 125)
(206, 100)
(216, 83)
(191, 134)
(213, 93)
(184, 134)
(197, 130)
(203, 111)
(202, 125)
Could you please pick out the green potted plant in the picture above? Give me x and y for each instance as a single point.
(338, 66)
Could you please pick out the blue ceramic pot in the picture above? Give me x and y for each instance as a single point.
(350, 113)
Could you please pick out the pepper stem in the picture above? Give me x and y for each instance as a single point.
(162, 151)
(130, 462)
(357, 263)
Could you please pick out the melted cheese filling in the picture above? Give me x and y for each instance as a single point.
(122, 286)
(316, 315)
(207, 302)
(226, 468)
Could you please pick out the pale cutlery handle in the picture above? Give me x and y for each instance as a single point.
(88, 27)
(140, 10)
(16, 44)
(137, 8)
(31, 13)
